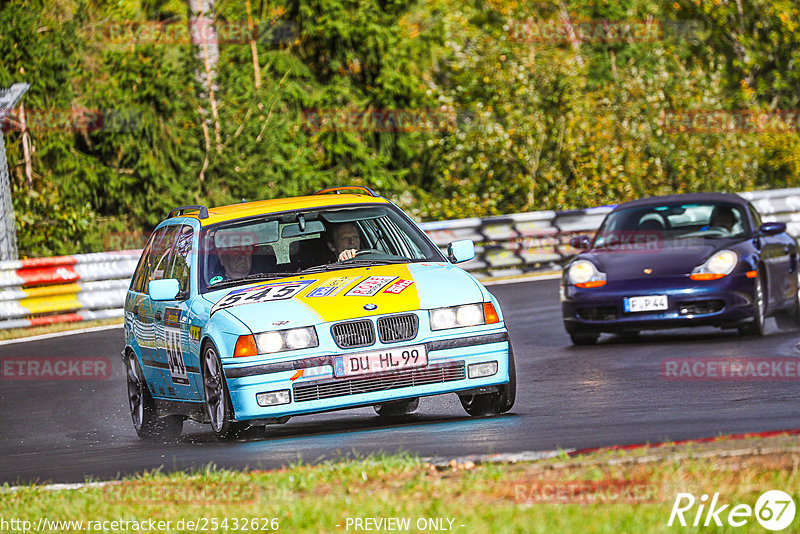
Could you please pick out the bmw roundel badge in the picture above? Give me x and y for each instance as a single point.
(370, 307)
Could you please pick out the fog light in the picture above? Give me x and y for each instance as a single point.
(273, 398)
(478, 370)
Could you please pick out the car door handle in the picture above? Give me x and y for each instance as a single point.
(158, 315)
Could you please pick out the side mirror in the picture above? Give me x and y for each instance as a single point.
(461, 251)
(165, 289)
(580, 242)
(772, 228)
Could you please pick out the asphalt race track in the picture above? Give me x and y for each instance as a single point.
(570, 397)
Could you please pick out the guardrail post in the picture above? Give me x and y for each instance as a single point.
(8, 230)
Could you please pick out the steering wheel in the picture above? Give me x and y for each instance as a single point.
(364, 251)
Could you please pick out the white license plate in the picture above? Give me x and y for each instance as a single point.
(648, 303)
(380, 361)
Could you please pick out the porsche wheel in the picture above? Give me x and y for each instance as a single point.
(790, 319)
(756, 328)
(583, 338)
(217, 398)
(143, 414)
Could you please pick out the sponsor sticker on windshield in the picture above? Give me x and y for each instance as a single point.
(370, 286)
(261, 293)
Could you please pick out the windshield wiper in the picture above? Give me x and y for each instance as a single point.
(386, 261)
(348, 264)
(247, 279)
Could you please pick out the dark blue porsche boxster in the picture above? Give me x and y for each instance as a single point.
(677, 261)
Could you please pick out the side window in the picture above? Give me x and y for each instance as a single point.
(161, 254)
(756, 217)
(182, 258)
(140, 275)
(154, 259)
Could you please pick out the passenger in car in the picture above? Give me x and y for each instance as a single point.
(236, 263)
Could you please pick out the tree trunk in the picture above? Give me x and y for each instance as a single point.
(205, 39)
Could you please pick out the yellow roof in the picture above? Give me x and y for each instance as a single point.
(276, 205)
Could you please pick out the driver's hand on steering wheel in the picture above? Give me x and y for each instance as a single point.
(347, 254)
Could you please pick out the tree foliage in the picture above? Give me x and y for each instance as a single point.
(529, 120)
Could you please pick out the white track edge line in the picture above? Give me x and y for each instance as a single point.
(60, 334)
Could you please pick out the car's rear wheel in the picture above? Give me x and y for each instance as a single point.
(396, 408)
(583, 338)
(143, 414)
(756, 327)
(217, 397)
(790, 319)
(486, 404)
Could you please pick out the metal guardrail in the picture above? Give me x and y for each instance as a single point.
(64, 288)
(93, 286)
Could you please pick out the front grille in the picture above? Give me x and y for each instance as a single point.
(397, 328)
(340, 387)
(353, 334)
(600, 313)
(701, 307)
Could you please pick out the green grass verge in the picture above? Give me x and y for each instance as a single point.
(597, 493)
(16, 333)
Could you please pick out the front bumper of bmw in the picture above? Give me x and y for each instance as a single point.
(307, 381)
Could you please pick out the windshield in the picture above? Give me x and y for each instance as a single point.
(672, 222)
(287, 244)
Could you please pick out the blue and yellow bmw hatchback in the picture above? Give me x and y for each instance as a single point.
(246, 315)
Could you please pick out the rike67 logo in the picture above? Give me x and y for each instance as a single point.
(774, 510)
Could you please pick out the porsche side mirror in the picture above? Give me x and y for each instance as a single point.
(772, 228)
(580, 242)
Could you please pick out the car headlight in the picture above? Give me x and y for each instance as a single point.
(281, 340)
(583, 273)
(719, 265)
(466, 315)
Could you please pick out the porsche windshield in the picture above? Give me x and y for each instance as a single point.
(672, 222)
(278, 245)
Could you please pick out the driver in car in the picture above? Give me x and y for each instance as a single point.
(344, 241)
(722, 217)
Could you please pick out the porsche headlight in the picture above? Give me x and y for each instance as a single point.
(583, 273)
(290, 339)
(719, 265)
(466, 315)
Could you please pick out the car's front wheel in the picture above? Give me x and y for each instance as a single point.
(217, 398)
(583, 338)
(396, 408)
(486, 404)
(756, 328)
(143, 413)
(790, 319)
